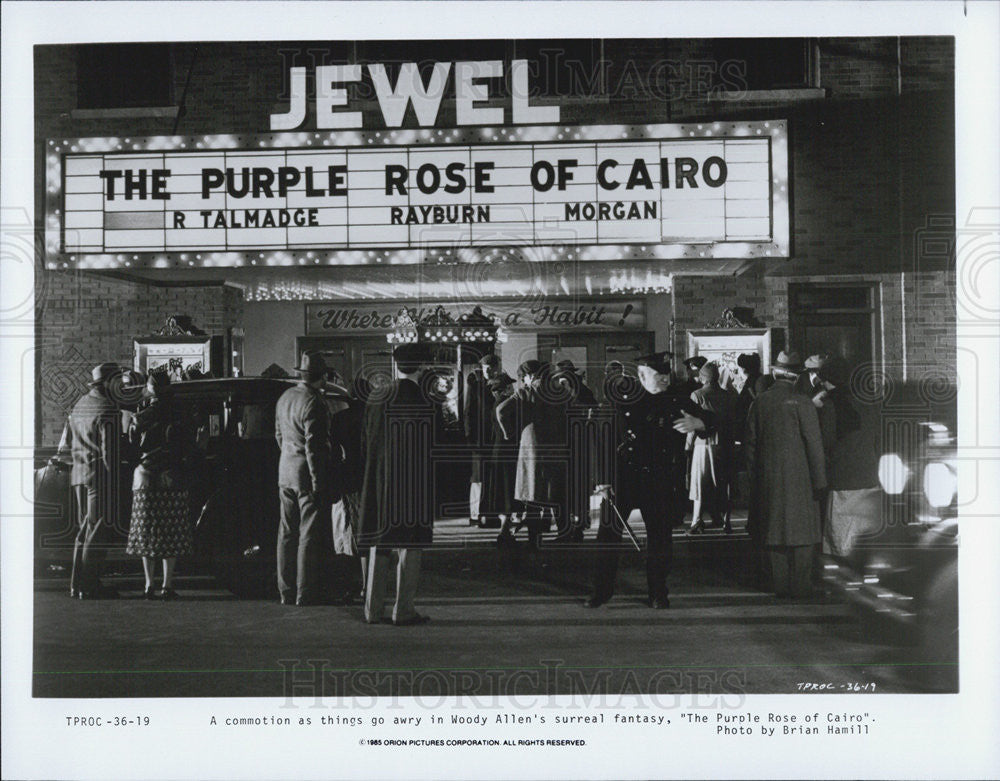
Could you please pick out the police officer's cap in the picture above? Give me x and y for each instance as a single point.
(658, 362)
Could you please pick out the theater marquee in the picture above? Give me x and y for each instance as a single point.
(713, 190)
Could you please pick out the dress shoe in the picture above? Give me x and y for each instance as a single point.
(168, 594)
(592, 602)
(414, 620)
(505, 539)
(660, 603)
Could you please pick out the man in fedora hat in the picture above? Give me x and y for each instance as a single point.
(397, 502)
(302, 428)
(813, 383)
(566, 369)
(94, 434)
(787, 477)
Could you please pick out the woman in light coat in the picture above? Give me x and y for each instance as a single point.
(535, 415)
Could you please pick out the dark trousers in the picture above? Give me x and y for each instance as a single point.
(301, 543)
(651, 495)
(791, 569)
(92, 525)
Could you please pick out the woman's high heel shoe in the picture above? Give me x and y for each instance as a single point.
(696, 528)
(150, 592)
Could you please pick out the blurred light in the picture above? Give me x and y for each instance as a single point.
(892, 474)
(940, 484)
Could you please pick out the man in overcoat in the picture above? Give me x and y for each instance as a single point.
(477, 419)
(302, 428)
(651, 427)
(580, 437)
(94, 435)
(787, 477)
(397, 503)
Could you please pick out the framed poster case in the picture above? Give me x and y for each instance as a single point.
(173, 354)
(725, 345)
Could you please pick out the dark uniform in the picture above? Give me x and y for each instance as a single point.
(650, 454)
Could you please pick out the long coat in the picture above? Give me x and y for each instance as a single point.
(500, 468)
(785, 461)
(397, 502)
(542, 458)
(478, 417)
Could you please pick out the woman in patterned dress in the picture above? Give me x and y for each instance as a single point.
(161, 524)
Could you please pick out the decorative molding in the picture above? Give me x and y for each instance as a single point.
(179, 325)
(730, 320)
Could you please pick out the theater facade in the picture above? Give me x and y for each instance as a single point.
(583, 199)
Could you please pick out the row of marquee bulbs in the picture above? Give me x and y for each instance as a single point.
(447, 336)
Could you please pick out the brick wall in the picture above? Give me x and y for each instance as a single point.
(83, 320)
(871, 167)
(916, 313)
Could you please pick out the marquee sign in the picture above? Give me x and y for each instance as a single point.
(716, 190)
(338, 317)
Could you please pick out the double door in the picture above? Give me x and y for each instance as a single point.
(592, 352)
(367, 356)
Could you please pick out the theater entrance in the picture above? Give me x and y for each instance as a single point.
(592, 352)
(350, 354)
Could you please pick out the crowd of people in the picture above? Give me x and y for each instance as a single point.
(355, 472)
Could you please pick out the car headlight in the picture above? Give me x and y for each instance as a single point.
(940, 484)
(892, 473)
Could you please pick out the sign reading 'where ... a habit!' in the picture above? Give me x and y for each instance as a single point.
(705, 189)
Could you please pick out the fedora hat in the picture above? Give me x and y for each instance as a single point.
(817, 362)
(412, 353)
(104, 373)
(695, 362)
(788, 362)
(530, 366)
(311, 364)
(566, 366)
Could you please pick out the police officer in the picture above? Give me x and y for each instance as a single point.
(651, 425)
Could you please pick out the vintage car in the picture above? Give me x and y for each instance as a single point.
(234, 491)
(901, 569)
